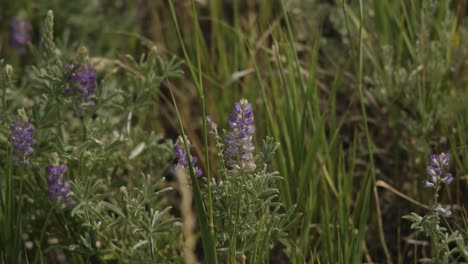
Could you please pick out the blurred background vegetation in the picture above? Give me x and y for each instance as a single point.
(357, 115)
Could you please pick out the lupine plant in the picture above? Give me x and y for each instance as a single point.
(106, 155)
(249, 219)
(448, 245)
(78, 179)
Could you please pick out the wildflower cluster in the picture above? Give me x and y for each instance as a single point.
(245, 196)
(58, 188)
(182, 158)
(239, 151)
(20, 32)
(437, 177)
(430, 224)
(81, 80)
(22, 138)
(435, 170)
(53, 87)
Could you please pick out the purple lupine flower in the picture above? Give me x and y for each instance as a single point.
(59, 189)
(182, 158)
(20, 32)
(427, 183)
(447, 179)
(239, 150)
(438, 209)
(22, 139)
(82, 78)
(436, 170)
(434, 160)
(444, 159)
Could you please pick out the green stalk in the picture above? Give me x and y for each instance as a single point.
(201, 94)
(41, 237)
(19, 219)
(10, 216)
(197, 77)
(363, 201)
(209, 246)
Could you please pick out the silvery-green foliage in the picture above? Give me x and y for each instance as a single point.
(104, 148)
(125, 225)
(104, 22)
(146, 77)
(248, 217)
(448, 246)
(415, 77)
(153, 151)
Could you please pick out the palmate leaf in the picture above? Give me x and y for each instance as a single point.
(114, 209)
(171, 68)
(140, 243)
(414, 217)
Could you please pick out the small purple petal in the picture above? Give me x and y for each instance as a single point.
(444, 159)
(427, 183)
(431, 171)
(447, 179)
(82, 79)
(182, 159)
(434, 160)
(59, 189)
(443, 211)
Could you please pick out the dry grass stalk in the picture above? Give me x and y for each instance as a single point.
(188, 218)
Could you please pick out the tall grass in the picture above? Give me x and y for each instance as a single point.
(11, 204)
(311, 158)
(319, 145)
(205, 216)
(357, 93)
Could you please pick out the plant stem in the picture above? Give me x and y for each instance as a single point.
(436, 194)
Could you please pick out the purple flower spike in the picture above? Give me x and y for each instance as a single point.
(180, 155)
(20, 32)
(81, 80)
(22, 139)
(182, 158)
(239, 150)
(59, 189)
(436, 170)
